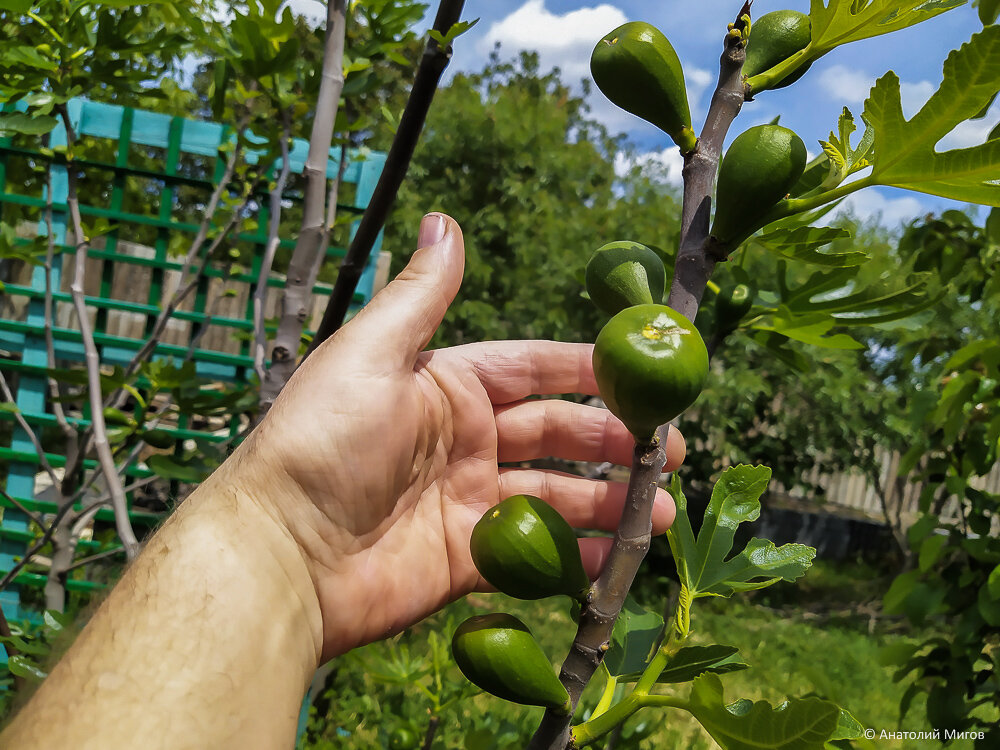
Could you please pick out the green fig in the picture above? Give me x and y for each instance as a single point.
(497, 653)
(650, 363)
(758, 170)
(637, 69)
(731, 304)
(774, 37)
(528, 551)
(622, 274)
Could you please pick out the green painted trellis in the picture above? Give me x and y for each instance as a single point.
(128, 127)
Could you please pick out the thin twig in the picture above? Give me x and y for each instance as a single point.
(94, 558)
(160, 325)
(36, 517)
(93, 362)
(38, 544)
(397, 162)
(55, 392)
(273, 240)
(42, 459)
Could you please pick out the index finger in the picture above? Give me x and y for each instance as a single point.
(513, 370)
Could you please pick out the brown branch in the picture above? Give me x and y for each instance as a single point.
(432, 726)
(692, 271)
(411, 124)
(273, 240)
(607, 596)
(310, 246)
(694, 265)
(36, 517)
(55, 392)
(160, 325)
(94, 558)
(93, 362)
(39, 543)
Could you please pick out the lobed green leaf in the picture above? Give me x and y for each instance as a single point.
(704, 564)
(800, 724)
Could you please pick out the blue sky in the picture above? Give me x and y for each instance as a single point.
(564, 33)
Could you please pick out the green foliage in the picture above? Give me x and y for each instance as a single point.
(705, 565)
(745, 725)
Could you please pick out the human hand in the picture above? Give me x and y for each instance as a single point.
(379, 458)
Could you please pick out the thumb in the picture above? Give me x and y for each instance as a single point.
(405, 314)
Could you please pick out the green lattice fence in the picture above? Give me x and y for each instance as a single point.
(168, 163)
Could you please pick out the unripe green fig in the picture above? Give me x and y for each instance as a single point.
(116, 416)
(637, 69)
(731, 304)
(497, 653)
(625, 273)
(774, 37)
(403, 738)
(758, 170)
(650, 363)
(528, 551)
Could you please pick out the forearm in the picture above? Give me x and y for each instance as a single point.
(209, 640)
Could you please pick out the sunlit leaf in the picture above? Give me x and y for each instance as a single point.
(705, 565)
(837, 22)
(799, 724)
(905, 154)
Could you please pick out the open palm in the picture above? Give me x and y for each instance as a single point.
(382, 456)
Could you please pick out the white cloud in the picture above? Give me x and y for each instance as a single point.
(313, 11)
(913, 96)
(564, 41)
(873, 204)
(970, 132)
(845, 84)
(667, 164)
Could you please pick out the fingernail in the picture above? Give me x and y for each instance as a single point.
(431, 230)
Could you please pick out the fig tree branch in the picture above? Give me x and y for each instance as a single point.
(692, 271)
(411, 124)
(273, 239)
(70, 434)
(93, 362)
(310, 246)
(694, 265)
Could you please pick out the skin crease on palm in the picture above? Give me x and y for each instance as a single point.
(379, 457)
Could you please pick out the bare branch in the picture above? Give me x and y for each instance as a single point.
(273, 239)
(93, 362)
(94, 558)
(36, 517)
(311, 242)
(160, 325)
(411, 124)
(42, 459)
(38, 544)
(55, 393)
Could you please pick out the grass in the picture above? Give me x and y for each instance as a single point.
(810, 637)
